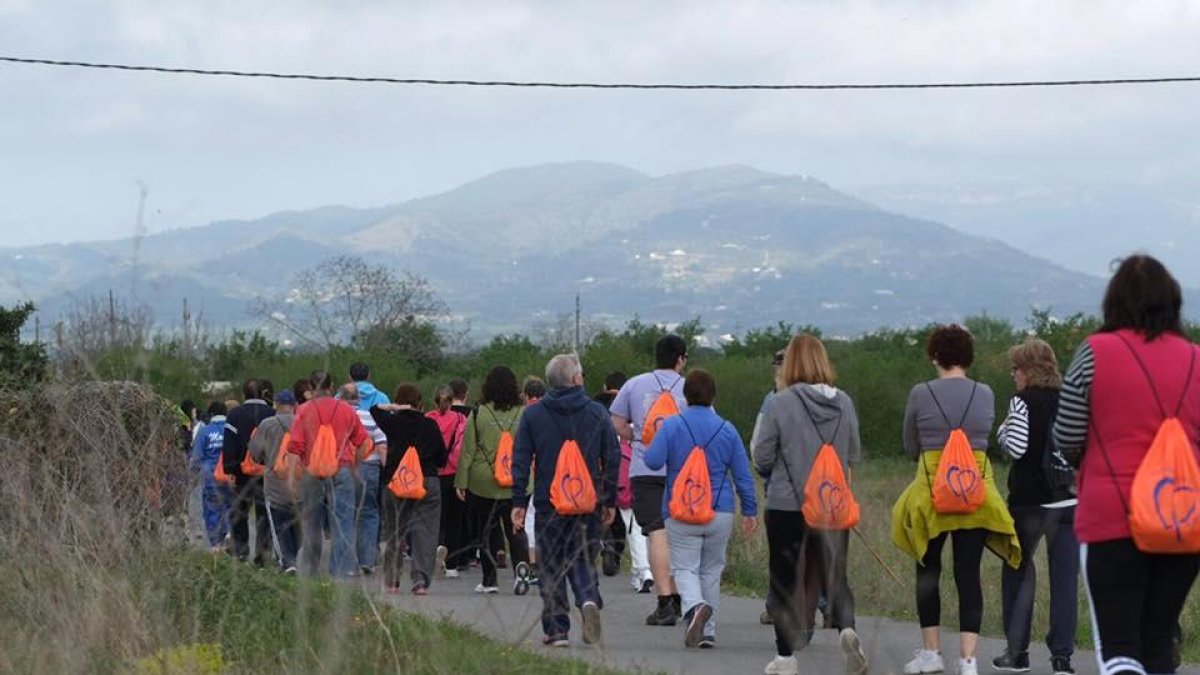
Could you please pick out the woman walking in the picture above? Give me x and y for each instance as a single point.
(698, 544)
(806, 413)
(950, 407)
(452, 535)
(1041, 499)
(483, 466)
(1132, 381)
(415, 516)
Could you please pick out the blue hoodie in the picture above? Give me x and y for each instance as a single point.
(540, 435)
(723, 449)
(209, 443)
(369, 396)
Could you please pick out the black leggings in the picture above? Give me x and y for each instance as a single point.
(968, 555)
(491, 526)
(1136, 600)
(803, 564)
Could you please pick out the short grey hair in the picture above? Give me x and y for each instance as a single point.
(562, 369)
(348, 391)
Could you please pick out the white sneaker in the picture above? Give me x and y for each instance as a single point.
(856, 660)
(783, 665)
(451, 574)
(967, 667)
(924, 661)
(487, 590)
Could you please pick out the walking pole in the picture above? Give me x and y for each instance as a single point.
(875, 554)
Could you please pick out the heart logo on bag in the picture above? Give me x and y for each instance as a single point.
(831, 497)
(1175, 505)
(962, 482)
(693, 495)
(572, 487)
(407, 477)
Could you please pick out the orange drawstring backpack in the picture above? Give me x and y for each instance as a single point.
(249, 466)
(408, 482)
(957, 486)
(692, 499)
(829, 504)
(663, 407)
(323, 457)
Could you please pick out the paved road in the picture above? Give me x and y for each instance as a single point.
(743, 645)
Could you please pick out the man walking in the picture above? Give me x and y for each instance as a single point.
(638, 410)
(366, 514)
(248, 490)
(567, 544)
(332, 496)
(283, 508)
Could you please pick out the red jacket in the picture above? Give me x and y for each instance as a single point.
(1125, 417)
(452, 425)
(347, 428)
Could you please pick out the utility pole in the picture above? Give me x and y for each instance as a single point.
(187, 331)
(577, 313)
(112, 320)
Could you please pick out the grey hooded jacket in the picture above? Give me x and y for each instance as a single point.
(797, 421)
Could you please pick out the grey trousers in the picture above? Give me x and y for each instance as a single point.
(418, 521)
(697, 560)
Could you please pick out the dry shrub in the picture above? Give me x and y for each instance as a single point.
(88, 474)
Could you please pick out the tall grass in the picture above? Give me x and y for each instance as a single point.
(99, 578)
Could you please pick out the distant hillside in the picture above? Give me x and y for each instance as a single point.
(738, 246)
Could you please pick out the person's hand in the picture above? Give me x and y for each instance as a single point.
(462, 494)
(607, 515)
(749, 525)
(518, 519)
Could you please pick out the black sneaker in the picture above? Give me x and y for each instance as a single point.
(677, 605)
(664, 615)
(612, 563)
(647, 586)
(1061, 665)
(1011, 663)
(700, 615)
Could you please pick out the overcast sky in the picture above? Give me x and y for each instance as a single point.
(74, 144)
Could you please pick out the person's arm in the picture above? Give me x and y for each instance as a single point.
(854, 451)
(258, 444)
(621, 411)
(437, 441)
(656, 455)
(1013, 433)
(466, 457)
(742, 478)
(233, 448)
(912, 435)
(197, 458)
(1075, 404)
(522, 460)
(766, 446)
(610, 446)
(299, 433)
(359, 439)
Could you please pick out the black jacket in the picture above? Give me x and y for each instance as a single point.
(240, 423)
(1027, 485)
(410, 427)
(564, 412)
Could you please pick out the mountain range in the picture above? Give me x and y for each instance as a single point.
(736, 246)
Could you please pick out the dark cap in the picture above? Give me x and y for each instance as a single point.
(285, 397)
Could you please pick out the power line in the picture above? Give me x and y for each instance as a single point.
(603, 85)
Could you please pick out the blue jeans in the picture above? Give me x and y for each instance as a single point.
(285, 533)
(697, 560)
(216, 498)
(322, 499)
(368, 513)
(567, 547)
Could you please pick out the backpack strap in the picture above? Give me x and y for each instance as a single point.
(1150, 380)
(661, 388)
(704, 447)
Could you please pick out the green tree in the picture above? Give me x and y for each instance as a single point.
(20, 362)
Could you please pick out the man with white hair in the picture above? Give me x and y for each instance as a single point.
(567, 544)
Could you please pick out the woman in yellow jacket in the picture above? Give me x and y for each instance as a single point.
(489, 503)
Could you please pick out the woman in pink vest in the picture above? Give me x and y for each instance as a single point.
(452, 537)
(1137, 370)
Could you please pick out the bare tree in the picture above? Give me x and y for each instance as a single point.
(347, 299)
(95, 325)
